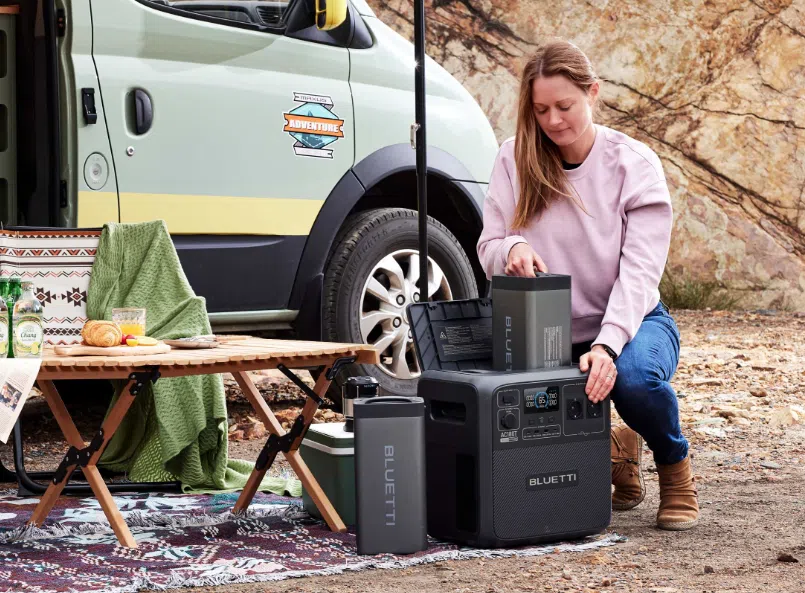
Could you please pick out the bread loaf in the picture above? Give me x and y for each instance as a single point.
(101, 333)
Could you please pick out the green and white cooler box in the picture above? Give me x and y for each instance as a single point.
(329, 452)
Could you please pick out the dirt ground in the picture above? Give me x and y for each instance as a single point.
(741, 384)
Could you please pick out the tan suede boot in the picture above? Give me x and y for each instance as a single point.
(627, 477)
(679, 503)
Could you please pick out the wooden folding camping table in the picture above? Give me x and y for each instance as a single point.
(235, 357)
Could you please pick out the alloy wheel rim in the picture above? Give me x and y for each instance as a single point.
(391, 286)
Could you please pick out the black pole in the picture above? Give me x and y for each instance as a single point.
(421, 146)
(52, 73)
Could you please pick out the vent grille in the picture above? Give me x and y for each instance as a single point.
(520, 513)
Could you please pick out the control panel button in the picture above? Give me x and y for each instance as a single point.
(509, 398)
(509, 421)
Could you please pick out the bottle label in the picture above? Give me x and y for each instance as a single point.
(28, 336)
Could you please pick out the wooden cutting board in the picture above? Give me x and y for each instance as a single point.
(79, 350)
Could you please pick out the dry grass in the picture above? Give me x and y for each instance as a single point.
(687, 292)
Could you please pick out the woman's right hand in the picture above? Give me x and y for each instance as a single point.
(522, 260)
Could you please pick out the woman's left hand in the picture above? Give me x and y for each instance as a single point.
(602, 373)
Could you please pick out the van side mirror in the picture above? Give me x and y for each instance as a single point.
(330, 13)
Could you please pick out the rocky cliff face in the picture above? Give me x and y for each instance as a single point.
(715, 87)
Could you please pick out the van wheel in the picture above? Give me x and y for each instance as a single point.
(373, 275)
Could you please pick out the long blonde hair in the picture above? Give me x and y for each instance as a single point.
(538, 160)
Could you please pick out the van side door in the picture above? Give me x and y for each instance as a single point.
(229, 130)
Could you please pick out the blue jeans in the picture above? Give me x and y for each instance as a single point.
(642, 393)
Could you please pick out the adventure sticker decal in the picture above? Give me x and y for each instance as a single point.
(313, 125)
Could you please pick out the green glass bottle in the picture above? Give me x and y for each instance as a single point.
(14, 292)
(15, 287)
(29, 329)
(5, 319)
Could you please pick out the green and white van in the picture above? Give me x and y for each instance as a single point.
(279, 153)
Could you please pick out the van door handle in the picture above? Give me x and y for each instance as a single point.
(143, 112)
(88, 103)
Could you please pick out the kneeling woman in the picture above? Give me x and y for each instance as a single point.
(572, 197)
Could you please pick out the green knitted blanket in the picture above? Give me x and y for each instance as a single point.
(177, 430)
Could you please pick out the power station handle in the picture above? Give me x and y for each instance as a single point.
(388, 399)
(446, 411)
(537, 273)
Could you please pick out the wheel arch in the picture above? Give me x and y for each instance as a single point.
(387, 178)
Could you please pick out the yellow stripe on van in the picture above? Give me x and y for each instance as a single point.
(222, 215)
(96, 208)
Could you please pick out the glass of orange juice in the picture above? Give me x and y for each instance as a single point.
(130, 320)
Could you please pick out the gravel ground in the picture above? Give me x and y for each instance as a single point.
(741, 383)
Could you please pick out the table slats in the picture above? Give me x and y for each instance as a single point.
(245, 354)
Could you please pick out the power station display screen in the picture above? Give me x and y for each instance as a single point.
(541, 400)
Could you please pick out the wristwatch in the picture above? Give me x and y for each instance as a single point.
(608, 350)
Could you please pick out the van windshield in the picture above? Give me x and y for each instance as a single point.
(265, 13)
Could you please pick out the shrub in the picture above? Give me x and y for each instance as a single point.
(687, 292)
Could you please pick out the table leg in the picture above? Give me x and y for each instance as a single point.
(250, 489)
(272, 425)
(109, 507)
(48, 500)
(324, 505)
(108, 429)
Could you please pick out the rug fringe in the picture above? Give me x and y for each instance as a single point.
(178, 581)
(138, 520)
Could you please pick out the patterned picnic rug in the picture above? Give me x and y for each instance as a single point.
(193, 540)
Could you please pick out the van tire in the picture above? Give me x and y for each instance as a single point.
(364, 239)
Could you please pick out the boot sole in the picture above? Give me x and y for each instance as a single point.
(678, 526)
(625, 506)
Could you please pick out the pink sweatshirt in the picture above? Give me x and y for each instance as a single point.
(615, 255)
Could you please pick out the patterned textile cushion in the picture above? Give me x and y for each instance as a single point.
(59, 263)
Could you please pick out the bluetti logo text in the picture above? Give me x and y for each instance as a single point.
(563, 479)
(508, 343)
(391, 499)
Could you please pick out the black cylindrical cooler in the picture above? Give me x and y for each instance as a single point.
(356, 388)
(390, 475)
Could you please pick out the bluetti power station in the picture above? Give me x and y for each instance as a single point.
(515, 452)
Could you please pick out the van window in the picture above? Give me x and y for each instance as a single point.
(250, 13)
